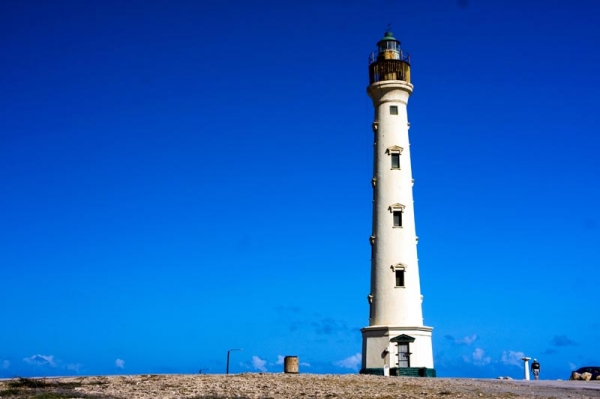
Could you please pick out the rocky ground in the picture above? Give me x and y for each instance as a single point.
(284, 386)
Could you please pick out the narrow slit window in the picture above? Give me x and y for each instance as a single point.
(399, 278)
(395, 160)
(393, 110)
(397, 218)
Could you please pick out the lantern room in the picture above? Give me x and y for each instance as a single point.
(390, 62)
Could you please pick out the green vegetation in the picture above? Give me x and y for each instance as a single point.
(57, 395)
(219, 397)
(42, 388)
(7, 393)
(27, 383)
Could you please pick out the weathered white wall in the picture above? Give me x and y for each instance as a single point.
(395, 308)
(392, 305)
(377, 339)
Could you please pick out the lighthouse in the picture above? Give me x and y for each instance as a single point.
(396, 341)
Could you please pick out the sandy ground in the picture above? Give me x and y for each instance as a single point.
(283, 386)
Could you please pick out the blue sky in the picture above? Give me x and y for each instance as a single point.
(180, 178)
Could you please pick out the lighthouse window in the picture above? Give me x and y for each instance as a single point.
(397, 218)
(393, 110)
(399, 278)
(394, 153)
(395, 161)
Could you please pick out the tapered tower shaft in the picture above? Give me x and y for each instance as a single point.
(396, 338)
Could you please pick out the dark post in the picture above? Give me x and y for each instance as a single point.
(228, 352)
(227, 369)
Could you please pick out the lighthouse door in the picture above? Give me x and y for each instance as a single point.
(403, 355)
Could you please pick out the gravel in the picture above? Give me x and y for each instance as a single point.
(284, 386)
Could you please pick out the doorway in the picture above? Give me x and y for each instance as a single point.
(403, 355)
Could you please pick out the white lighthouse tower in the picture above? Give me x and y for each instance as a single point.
(396, 341)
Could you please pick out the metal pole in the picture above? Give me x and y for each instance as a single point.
(228, 352)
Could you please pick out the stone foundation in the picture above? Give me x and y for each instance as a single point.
(403, 372)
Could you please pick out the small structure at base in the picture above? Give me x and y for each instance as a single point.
(290, 365)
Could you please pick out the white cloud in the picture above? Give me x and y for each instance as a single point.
(40, 360)
(5, 364)
(479, 357)
(466, 340)
(304, 364)
(353, 362)
(259, 364)
(120, 363)
(512, 358)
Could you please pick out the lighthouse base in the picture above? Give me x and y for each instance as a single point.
(397, 351)
(402, 372)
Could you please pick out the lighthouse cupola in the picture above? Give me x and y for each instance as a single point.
(390, 62)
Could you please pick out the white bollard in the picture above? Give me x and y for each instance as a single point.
(526, 360)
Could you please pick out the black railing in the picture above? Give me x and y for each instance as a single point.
(389, 69)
